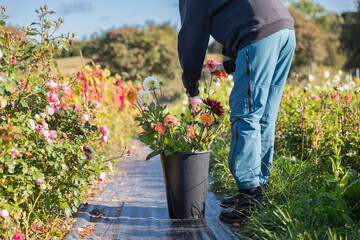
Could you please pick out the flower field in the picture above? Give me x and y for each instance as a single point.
(315, 184)
(55, 130)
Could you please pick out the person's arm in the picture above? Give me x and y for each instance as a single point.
(193, 40)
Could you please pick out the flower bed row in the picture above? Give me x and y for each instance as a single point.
(53, 130)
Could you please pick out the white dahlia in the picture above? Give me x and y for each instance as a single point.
(151, 83)
(144, 97)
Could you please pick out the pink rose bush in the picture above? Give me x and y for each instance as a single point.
(51, 127)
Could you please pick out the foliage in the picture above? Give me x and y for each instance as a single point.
(313, 190)
(309, 43)
(194, 131)
(138, 52)
(50, 137)
(350, 38)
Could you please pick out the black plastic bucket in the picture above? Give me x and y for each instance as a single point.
(185, 177)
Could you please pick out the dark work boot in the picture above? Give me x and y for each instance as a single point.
(243, 197)
(241, 205)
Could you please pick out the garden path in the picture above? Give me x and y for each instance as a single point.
(133, 206)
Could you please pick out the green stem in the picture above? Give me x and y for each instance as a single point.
(28, 217)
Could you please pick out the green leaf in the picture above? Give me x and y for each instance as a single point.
(153, 154)
(2, 23)
(31, 33)
(64, 44)
(68, 212)
(169, 152)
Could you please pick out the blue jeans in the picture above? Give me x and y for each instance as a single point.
(261, 72)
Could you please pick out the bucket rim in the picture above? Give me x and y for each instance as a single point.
(189, 153)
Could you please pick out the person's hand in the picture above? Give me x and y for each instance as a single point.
(218, 68)
(195, 102)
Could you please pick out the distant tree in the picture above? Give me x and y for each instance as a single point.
(307, 7)
(350, 38)
(331, 25)
(310, 43)
(138, 52)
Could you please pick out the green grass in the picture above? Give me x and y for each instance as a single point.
(304, 202)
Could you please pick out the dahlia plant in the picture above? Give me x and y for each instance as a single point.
(166, 133)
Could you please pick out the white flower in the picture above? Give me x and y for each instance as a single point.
(4, 213)
(317, 87)
(31, 124)
(352, 84)
(151, 83)
(311, 78)
(327, 74)
(340, 72)
(64, 167)
(336, 79)
(144, 97)
(230, 77)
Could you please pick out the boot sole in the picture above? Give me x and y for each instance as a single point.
(231, 220)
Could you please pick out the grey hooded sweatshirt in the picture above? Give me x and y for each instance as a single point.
(233, 23)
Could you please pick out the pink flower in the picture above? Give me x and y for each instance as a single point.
(97, 104)
(316, 98)
(1, 78)
(54, 97)
(66, 90)
(109, 166)
(29, 111)
(4, 213)
(86, 117)
(64, 84)
(102, 176)
(77, 108)
(104, 130)
(14, 152)
(159, 127)
(104, 139)
(335, 97)
(19, 236)
(48, 140)
(348, 97)
(43, 115)
(13, 103)
(13, 60)
(39, 128)
(52, 85)
(129, 152)
(52, 134)
(37, 116)
(39, 181)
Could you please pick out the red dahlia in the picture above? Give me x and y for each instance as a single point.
(214, 106)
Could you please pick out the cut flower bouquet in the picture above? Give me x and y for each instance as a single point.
(166, 133)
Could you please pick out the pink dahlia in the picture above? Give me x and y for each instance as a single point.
(52, 85)
(54, 97)
(52, 134)
(104, 130)
(102, 176)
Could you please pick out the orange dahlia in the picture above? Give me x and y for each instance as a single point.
(170, 120)
(159, 127)
(132, 95)
(191, 131)
(206, 119)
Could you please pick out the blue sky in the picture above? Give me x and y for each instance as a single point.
(85, 17)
